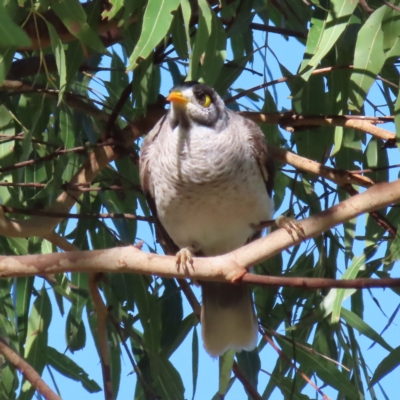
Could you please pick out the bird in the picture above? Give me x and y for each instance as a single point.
(210, 174)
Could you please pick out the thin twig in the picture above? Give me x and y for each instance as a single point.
(286, 358)
(248, 386)
(390, 5)
(276, 29)
(50, 214)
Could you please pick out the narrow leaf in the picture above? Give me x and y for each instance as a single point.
(368, 58)
(225, 369)
(59, 54)
(339, 14)
(10, 33)
(156, 23)
(65, 366)
(356, 322)
(388, 364)
(73, 16)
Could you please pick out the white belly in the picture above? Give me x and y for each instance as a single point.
(208, 194)
(214, 219)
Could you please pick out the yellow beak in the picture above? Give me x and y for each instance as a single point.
(176, 97)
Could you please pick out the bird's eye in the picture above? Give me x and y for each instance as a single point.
(204, 100)
(207, 101)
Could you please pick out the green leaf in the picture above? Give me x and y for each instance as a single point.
(112, 12)
(397, 119)
(168, 382)
(73, 58)
(6, 58)
(325, 369)
(229, 73)
(73, 16)
(341, 294)
(201, 40)
(149, 313)
(156, 23)
(59, 53)
(10, 33)
(187, 14)
(371, 153)
(23, 287)
(215, 53)
(65, 366)
(368, 58)
(394, 249)
(115, 361)
(356, 322)
(178, 32)
(225, 370)
(388, 364)
(171, 312)
(250, 363)
(36, 342)
(75, 332)
(339, 14)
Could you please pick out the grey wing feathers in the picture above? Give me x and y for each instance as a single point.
(144, 170)
(261, 153)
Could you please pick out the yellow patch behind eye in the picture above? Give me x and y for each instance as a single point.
(207, 101)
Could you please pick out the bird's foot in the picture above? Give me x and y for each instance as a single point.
(291, 226)
(184, 259)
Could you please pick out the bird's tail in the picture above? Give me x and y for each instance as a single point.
(228, 318)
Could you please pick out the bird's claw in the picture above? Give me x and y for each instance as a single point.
(184, 259)
(291, 226)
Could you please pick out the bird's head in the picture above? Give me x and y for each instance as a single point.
(194, 103)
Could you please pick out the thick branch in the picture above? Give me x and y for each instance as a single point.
(229, 267)
(339, 176)
(29, 373)
(293, 120)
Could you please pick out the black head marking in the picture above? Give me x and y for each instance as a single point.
(207, 107)
(200, 90)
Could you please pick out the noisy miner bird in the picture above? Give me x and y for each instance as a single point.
(210, 174)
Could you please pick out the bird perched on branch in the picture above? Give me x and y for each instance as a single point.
(210, 175)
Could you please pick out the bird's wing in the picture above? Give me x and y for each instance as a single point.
(144, 167)
(260, 150)
(145, 180)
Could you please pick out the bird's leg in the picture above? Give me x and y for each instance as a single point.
(290, 225)
(184, 258)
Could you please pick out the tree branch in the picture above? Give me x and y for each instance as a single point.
(45, 213)
(230, 267)
(339, 176)
(248, 386)
(27, 370)
(290, 120)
